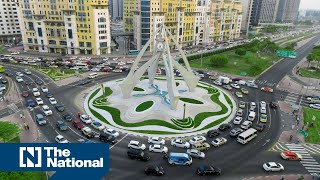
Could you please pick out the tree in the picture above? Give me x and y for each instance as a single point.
(310, 58)
(241, 51)
(8, 131)
(219, 61)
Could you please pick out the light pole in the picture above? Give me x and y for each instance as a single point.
(184, 111)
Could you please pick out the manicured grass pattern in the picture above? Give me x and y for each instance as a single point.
(144, 106)
(26, 175)
(186, 123)
(305, 72)
(191, 101)
(57, 74)
(137, 89)
(313, 132)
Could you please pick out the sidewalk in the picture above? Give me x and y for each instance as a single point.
(285, 177)
(290, 85)
(13, 95)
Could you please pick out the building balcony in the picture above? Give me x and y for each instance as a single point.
(56, 46)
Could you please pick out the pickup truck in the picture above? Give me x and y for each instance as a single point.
(88, 132)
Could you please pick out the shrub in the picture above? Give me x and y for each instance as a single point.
(241, 51)
(219, 60)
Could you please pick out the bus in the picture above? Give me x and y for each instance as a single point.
(2, 70)
(247, 136)
(133, 52)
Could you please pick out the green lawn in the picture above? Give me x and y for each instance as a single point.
(191, 101)
(251, 63)
(26, 175)
(57, 74)
(137, 89)
(305, 72)
(144, 106)
(313, 132)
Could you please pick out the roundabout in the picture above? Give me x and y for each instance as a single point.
(147, 112)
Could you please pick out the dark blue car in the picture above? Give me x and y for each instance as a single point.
(31, 103)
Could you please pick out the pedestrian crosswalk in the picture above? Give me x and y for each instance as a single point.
(264, 83)
(310, 148)
(293, 98)
(14, 107)
(311, 165)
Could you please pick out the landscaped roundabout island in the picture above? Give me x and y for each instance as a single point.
(147, 112)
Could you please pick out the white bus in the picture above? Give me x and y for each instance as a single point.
(92, 75)
(81, 66)
(247, 136)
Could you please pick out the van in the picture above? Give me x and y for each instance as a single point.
(201, 146)
(92, 75)
(179, 159)
(138, 154)
(252, 116)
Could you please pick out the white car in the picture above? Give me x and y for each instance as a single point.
(158, 148)
(263, 104)
(180, 143)
(219, 141)
(44, 89)
(237, 120)
(197, 139)
(98, 125)
(236, 86)
(246, 125)
(19, 74)
(315, 106)
(85, 118)
(112, 132)
(61, 139)
(252, 105)
(27, 71)
(52, 101)
(39, 101)
(46, 110)
(19, 79)
(263, 110)
(130, 62)
(156, 140)
(196, 153)
(217, 83)
(36, 92)
(239, 112)
(136, 145)
(273, 166)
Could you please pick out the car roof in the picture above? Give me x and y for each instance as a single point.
(272, 164)
(60, 136)
(134, 142)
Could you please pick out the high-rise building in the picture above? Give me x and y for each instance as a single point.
(251, 14)
(116, 9)
(191, 22)
(288, 11)
(66, 27)
(268, 11)
(9, 22)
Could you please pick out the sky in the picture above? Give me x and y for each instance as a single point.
(310, 4)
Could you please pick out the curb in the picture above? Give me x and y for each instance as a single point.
(268, 68)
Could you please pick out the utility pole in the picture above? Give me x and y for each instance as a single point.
(184, 111)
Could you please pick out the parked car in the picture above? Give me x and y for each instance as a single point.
(46, 110)
(213, 133)
(49, 95)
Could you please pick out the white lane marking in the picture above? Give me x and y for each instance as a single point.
(314, 171)
(304, 159)
(285, 149)
(119, 141)
(308, 162)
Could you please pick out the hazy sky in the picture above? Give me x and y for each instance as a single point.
(310, 4)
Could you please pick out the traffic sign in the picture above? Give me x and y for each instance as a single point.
(283, 53)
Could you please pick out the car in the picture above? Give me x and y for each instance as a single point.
(25, 94)
(288, 155)
(267, 89)
(242, 104)
(107, 138)
(35, 92)
(263, 104)
(19, 79)
(239, 112)
(203, 146)
(39, 82)
(260, 127)
(46, 110)
(244, 91)
(216, 82)
(208, 170)
(246, 125)
(158, 148)
(61, 125)
(219, 141)
(39, 101)
(40, 119)
(252, 105)
(272, 166)
(227, 87)
(85, 118)
(111, 132)
(117, 70)
(19, 74)
(263, 110)
(136, 145)
(196, 153)
(4, 81)
(30, 103)
(309, 98)
(273, 105)
(239, 94)
(52, 100)
(252, 85)
(180, 143)
(224, 126)
(67, 117)
(197, 139)
(156, 140)
(263, 118)
(60, 107)
(315, 106)
(61, 139)
(314, 100)
(44, 89)
(78, 124)
(237, 120)
(138, 155)
(236, 86)
(26, 71)
(213, 133)
(9, 74)
(235, 132)
(154, 170)
(49, 95)
(97, 125)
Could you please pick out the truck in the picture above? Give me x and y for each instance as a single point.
(224, 80)
(88, 132)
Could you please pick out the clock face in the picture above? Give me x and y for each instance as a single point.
(160, 46)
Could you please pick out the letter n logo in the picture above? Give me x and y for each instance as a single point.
(30, 157)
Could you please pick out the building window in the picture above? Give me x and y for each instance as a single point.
(58, 33)
(51, 32)
(63, 43)
(40, 32)
(88, 44)
(52, 42)
(29, 40)
(103, 44)
(81, 44)
(70, 36)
